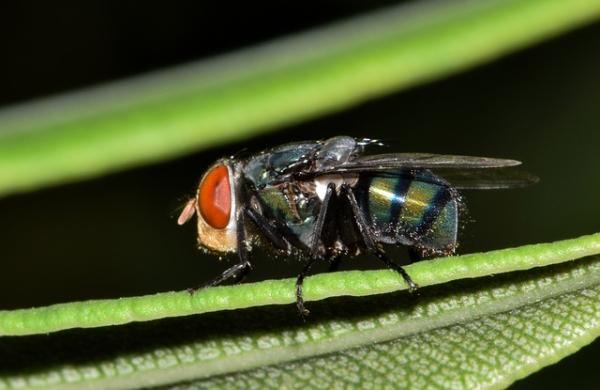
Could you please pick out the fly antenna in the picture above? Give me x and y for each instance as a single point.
(188, 212)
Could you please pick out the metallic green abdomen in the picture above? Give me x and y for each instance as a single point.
(410, 208)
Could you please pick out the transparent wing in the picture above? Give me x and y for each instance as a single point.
(487, 179)
(462, 172)
(424, 160)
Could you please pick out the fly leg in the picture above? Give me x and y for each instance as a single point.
(314, 248)
(267, 230)
(235, 273)
(239, 271)
(370, 240)
(299, 280)
(415, 254)
(380, 254)
(334, 263)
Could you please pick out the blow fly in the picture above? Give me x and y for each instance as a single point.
(327, 199)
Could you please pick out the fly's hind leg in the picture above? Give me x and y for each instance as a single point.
(380, 254)
(371, 242)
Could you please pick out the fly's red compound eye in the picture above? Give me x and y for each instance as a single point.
(214, 197)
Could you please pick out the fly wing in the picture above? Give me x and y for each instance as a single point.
(462, 172)
(424, 160)
(487, 179)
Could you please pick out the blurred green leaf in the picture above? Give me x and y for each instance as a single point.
(474, 333)
(169, 113)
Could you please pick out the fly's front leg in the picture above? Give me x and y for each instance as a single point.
(314, 248)
(272, 235)
(370, 240)
(235, 273)
(239, 271)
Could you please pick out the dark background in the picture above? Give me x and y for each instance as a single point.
(116, 235)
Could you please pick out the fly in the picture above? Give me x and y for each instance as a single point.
(327, 199)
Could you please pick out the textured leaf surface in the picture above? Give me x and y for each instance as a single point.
(170, 113)
(483, 332)
(490, 352)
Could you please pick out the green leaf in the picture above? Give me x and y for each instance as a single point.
(483, 332)
(170, 113)
(106, 312)
(435, 350)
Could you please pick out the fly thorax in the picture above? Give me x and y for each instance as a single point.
(335, 151)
